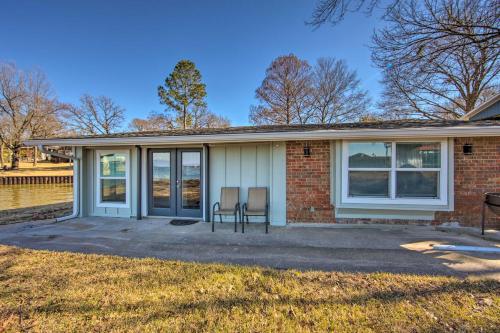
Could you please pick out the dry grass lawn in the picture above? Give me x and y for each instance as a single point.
(43, 168)
(45, 291)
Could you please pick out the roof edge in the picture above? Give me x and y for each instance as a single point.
(481, 107)
(437, 132)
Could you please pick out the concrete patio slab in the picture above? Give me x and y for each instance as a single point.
(396, 249)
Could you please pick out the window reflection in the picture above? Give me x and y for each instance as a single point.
(113, 165)
(161, 179)
(369, 184)
(370, 154)
(418, 155)
(113, 190)
(417, 184)
(191, 180)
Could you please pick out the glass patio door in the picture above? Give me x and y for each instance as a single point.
(189, 182)
(175, 182)
(161, 186)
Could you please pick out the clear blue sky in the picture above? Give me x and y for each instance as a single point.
(124, 49)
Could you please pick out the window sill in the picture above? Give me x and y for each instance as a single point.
(396, 205)
(112, 205)
(400, 201)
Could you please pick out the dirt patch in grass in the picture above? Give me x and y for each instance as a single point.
(35, 213)
(60, 292)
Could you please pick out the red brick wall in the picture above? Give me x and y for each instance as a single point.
(308, 182)
(474, 175)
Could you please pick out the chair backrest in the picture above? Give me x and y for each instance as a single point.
(229, 197)
(257, 198)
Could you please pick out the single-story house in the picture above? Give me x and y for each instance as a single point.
(390, 171)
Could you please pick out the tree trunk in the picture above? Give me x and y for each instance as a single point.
(35, 157)
(184, 118)
(16, 153)
(1, 155)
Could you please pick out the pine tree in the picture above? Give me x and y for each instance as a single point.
(183, 93)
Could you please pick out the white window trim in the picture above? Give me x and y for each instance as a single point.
(98, 177)
(443, 177)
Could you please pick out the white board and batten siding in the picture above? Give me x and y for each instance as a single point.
(250, 165)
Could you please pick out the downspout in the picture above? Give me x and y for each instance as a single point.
(207, 182)
(139, 182)
(76, 182)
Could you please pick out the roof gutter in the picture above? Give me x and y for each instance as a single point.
(435, 132)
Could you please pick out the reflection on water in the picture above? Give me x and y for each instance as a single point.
(20, 196)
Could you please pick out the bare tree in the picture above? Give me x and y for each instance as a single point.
(95, 115)
(480, 26)
(203, 118)
(3, 125)
(285, 93)
(46, 124)
(154, 122)
(200, 118)
(334, 11)
(27, 108)
(1, 155)
(337, 94)
(429, 73)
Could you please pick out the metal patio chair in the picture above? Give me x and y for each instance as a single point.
(256, 205)
(492, 201)
(228, 205)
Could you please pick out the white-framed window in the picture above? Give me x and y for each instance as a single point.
(395, 172)
(112, 183)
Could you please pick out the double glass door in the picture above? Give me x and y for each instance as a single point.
(175, 182)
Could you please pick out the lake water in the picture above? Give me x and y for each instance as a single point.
(21, 196)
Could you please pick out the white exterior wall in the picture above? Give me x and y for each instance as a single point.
(250, 165)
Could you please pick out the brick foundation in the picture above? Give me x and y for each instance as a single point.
(308, 183)
(474, 175)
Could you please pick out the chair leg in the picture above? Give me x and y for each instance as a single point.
(220, 218)
(242, 221)
(483, 218)
(248, 222)
(242, 218)
(235, 222)
(267, 223)
(213, 222)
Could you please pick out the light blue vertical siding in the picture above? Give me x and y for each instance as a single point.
(233, 166)
(241, 165)
(263, 165)
(249, 165)
(217, 160)
(278, 183)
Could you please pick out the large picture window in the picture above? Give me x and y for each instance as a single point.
(112, 178)
(394, 172)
